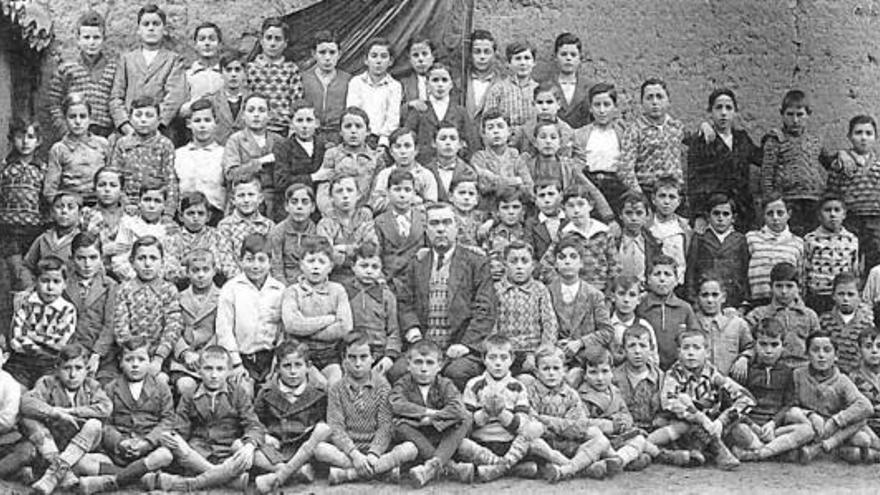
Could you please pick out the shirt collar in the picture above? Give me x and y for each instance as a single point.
(269, 284)
(646, 122)
(505, 285)
(57, 304)
(776, 235)
(296, 392)
(653, 373)
(72, 142)
(355, 387)
(542, 218)
(211, 146)
(197, 66)
(595, 227)
(308, 288)
(446, 256)
(386, 80)
(202, 390)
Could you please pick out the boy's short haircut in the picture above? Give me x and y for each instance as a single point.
(545, 182)
(145, 102)
(511, 194)
(569, 241)
(199, 255)
(229, 56)
(547, 352)
(91, 19)
(844, 278)
(547, 87)
(341, 176)
(484, 35)
(397, 177)
(275, 22)
(636, 331)
(425, 347)
(298, 186)
(493, 114)
(722, 92)
(421, 38)
(623, 282)
(577, 190)
(193, 198)
(712, 276)
(785, 272)
(868, 334)
(51, 264)
(400, 132)
(795, 98)
(289, 347)
(496, 340)
(720, 198)
(567, 39)
(315, 245)
(67, 194)
(146, 241)
(152, 8)
(84, 240)
(440, 65)
(254, 244)
(20, 125)
(819, 334)
(542, 123)
(631, 197)
(215, 351)
(692, 332)
(597, 356)
(667, 181)
(323, 36)
(653, 81)
(355, 338)
(302, 104)
(829, 197)
(72, 351)
(150, 186)
(109, 169)
(602, 88)
(773, 197)
(357, 112)
(517, 47)
(463, 179)
(132, 344)
(208, 25)
(771, 328)
(380, 41)
(861, 120)
(244, 178)
(445, 124)
(199, 105)
(73, 99)
(663, 260)
(367, 249)
(254, 96)
(518, 245)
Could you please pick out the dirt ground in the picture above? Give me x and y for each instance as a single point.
(820, 477)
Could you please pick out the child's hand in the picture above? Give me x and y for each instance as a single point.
(191, 360)
(413, 335)
(155, 366)
(707, 131)
(94, 362)
(715, 428)
(361, 464)
(572, 347)
(829, 428)
(740, 369)
(127, 129)
(529, 364)
(243, 458)
(62, 416)
(270, 158)
(418, 105)
(170, 441)
(272, 441)
(456, 351)
(383, 366)
(767, 432)
(494, 405)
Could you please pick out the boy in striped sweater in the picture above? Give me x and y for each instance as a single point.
(773, 244)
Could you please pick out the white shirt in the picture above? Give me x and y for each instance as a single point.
(423, 389)
(552, 224)
(569, 292)
(136, 388)
(480, 86)
(445, 257)
(307, 146)
(422, 83)
(602, 150)
(381, 101)
(149, 55)
(249, 318)
(568, 88)
(721, 236)
(200, 168)
(847, 318)
(440, 107)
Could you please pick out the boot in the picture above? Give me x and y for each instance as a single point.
(809, 452)
(745, 455)
(597, 470)
(697, 458)
(267, 483)
(400, 454)
(517, 450)
(425, 473)
(526, 470)
(463, 472)
(97, 484)
(870, 455)
(337, 476)
(640, 463)
(51, 478)
(540, 448)
(723, 458)
(680, 458)
(852, 455)
(477, 454)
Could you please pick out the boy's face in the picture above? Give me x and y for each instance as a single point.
(256, 266)
(421, 58)
(87, 261)
(442, 228)
(569, 263)
(870, 349)
(326, 56)
(662, 280)
(201, 273)
(655, 102)
(723, 111)
(625, 299)
(147, 262)
(379, 60)
(769, 349)
(202, 124)
(598, 377)
(551, 371)
(498, 360)
(134, 363)
(547, 140)
(519, 265)
(233, 75)
(548, 200)
(65, 212)
(784, 291)
(90, 40)
(273, 42)
(634, 216)
(293, 370)
(26, 142)
(439, 83)
(368, 270)
(510, 212)
(195, 218)
(316, 267)
(846, 297)
(345, 194)
(821, 354)
(299, 206)
(304, 123)
(108, 188)
(482, 55)
(568, 58)
(50, 285)
(577, 209)
(795, 119)
(447, 142)
(403, 150)
(207, 42)
(831, 215)
(401, 195)
(863, 137)
(424, 368)
(151, 205)
(353, 130)
(496, 132)
(246, 198)
(522, 63)
(547, 105)
(78, 120)
(637, 349)
(721, 217)
(666, 201)
(72, 373)
(603, 108)
(213, 371)
(776, 216)
(465, 196)
(692, 352)
(151, 29)
(145, 120)
(359, 361)
(256, 114)
(711, 298)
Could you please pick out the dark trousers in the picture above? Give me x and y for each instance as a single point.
(867, 228)
(258, 366)
(433, 443)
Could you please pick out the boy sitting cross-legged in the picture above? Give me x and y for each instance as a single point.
(428, 411)
(143, 410)
(867, 376)
(216, 432)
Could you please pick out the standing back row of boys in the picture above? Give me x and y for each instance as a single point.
(462, 266)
